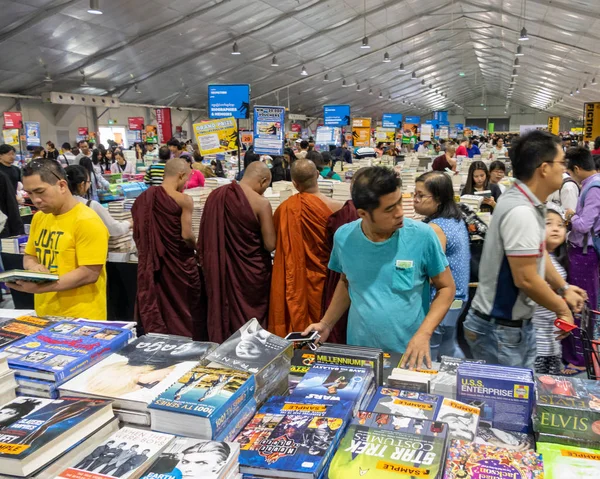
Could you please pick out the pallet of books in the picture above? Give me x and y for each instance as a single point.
(341, 191)
(326, 186)
(136, 374)
(48, 358)
(199, 196)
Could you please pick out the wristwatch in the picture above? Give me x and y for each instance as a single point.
(563, 289)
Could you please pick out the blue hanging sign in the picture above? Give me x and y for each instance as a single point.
(226, 101)
(269, 134)
(459, 126)
(441, 116)
(336, 115)
(391, 120)
(413, 120)
(32, 133)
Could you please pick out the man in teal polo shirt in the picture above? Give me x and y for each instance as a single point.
(386, 262)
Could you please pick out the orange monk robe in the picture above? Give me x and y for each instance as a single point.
(300, 266)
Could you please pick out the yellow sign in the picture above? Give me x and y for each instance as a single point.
(387, 135)
(216, 136)
(361, 131)
(553, 124)
(591, 121)
(11, 137)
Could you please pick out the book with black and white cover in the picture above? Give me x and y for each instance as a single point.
(515, 441)
(126, 454)
(462, 419)
(187, 458)
(408, 380)
(139, 372)
(405, 403)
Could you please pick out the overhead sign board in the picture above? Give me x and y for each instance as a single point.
(391, 120)
(269, 126)
(226, 101)
(336, 115)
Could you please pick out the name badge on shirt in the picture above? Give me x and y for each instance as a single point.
(403, 264)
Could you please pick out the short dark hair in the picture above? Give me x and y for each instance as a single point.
(581, 157)
(304, 144)
(497, 165)
(4, 149)
(326, 157)
(164, 154)
(66, 146)
(530, 151)
(440, 186)
(316, 158)
(50, 171)
(82, 141)
(175, 142)
(370, 184)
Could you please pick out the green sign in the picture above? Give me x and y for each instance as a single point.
(491, 127)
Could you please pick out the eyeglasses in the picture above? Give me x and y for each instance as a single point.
(420, 197)
(42, 164)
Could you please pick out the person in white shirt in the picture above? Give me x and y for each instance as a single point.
(79, 184)
(84, 150)
(121, 165)
(499, 150)
(66, 158)
(424, 148)
(568, 194)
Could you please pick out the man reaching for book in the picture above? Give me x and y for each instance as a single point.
(68, 239)
(386, 263)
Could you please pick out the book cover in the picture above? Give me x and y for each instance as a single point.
(250, 349)
(62, 350)
(461, 418)
(385, 446)
(562, 462)
(119, 457)
(187, 458)
(515, 441)
(333, 383)
(141, 370)
(28, 424)
(405, 403)
(29, 276)
(477, 461)
(12, 330)
(292, 435)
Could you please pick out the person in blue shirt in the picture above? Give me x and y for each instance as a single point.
(473, 148)
(386, 262)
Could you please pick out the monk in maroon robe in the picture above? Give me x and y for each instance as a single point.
(234, 247)
(346, 215)
(168, 289)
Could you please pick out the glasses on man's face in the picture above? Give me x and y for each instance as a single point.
(420, 197)
(36, 165)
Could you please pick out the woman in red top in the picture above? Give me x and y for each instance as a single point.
(596, 150)
(196, 178)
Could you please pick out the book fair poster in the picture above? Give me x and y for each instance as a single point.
(229, 101)
(426, 132)
(11, 137)
(32, 133)
(391, 120)
(410, 129)
(361, 131)
(386, 135)
(269, 130)
(151, 134)
(336, 115)
(217, 136)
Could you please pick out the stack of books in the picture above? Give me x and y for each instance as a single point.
(118, 211)
(284, 187)
(444, 382)
(273, 197)
(326, 186)
(411, 380)
(120, 244)
(8, 385)
(199, 196)
(138, 373)
(562, 462)
(474, 201)
(48, 358)
(202, 402)
(341, 191)
(14, 244)
(365, 163)
(292, 438)
(214, 183)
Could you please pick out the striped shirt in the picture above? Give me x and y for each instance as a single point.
(155, 174)
(543, 321)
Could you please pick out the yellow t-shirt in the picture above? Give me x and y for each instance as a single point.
(63, 243)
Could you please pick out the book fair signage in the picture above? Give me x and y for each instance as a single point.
(225, 101)
(361, 131)
(32, 133)
(11, 137)
(165, 127)
(151, 134)
(591, 121)
(410, 129)
(553, 124)
(13, 119)
(441, 117)
(336, 115)
(269, 128)
(135, 123)
(217, 136)
(387, 135)
(328, 136)
(391, 120)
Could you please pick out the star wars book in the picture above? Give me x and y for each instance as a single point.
(126, 454)
(562, 462)
(477, 461)
(405, 403)
(136, 374)
(186, 458)
(291, 437)
(461, 418)
(379, 446)
(34, 431)
(12, 330)
(201, 402)
(64, 349)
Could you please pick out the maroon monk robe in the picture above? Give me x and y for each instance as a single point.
(168, 289)
(346, 215)
(235, 265)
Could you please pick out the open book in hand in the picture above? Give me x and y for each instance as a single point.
(15, 275)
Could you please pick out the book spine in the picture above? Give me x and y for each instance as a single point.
(220, 418)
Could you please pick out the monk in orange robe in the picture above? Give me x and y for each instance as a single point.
(302, 253)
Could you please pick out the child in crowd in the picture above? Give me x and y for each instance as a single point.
(478, 179)
(549, 350)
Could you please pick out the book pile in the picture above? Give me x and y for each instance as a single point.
(8, 385)
(504, 394)
(138, 373)
(326, 186)
(120, 244)
(411, 380)
(292, 438)
(118, 210)
(274, 198)
(48, 358)
(202, 402)
(562, 462)
(14, 244)
(254, 350)
(383, 446)
(567, 411)
(408, 206)
(284, 186)
(474, 201)
(214, 183)
(199, 196)
(341, 191)
(365, 163)
(444, 382)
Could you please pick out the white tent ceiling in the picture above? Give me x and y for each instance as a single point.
(168, 51)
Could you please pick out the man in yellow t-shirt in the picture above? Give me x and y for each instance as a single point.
(66, 238)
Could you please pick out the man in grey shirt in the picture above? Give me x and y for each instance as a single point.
(515, 270)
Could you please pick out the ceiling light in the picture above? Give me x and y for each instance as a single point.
(514, 73)
(594, 81)
(137, 90)
(380, 95)
(523, 37)
(577, 91)
(390, 98)
(519, 52)
(414, 76)
(505, 112)
(358, 87)
(461, 74)
(187, 94)
(401, 68)
(235, 50)
(274, 62)
(481, 104)
(584, 86)
(84, 82)
(370, 91)
(430, 85)
(571, 94)
(423, 82)
(365, 43)
(304, 72)
(386, 57)
(344, 84)
(95, 7)
(484, 108)
(516, 65)
(326, 78)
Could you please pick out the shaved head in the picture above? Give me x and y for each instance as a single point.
(175, 167)
(257, 169)
(304, 174)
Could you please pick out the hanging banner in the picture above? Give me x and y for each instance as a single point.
(217, 136)
(591, 121)
(11, 137)
(444, 133)
(229, 101)
(336, 115)
(135, 123)
(82, 131)
(554, 124)
(391, 120)
(361, 131)
(410, 129)
(151, 134)
(328, 136)
(165, 127)
(133, 136)
(13, 119)
(426, 132)
(269, 129)
(440, 116)
(386, 135)
(246, 137)
(32, 133)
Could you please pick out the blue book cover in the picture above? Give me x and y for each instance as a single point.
(237, 423)
(324, 382)
(293, 435)
(405, 403)
(213, 393)
(63, 350)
